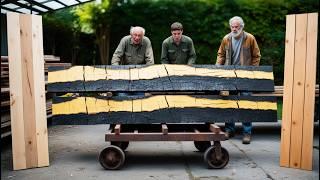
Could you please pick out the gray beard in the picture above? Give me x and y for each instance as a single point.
(235, 35)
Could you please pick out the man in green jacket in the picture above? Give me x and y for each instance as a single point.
(178, 48)
(238, 48)
(134, 49)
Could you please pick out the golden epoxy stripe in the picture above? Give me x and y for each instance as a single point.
(74, 73)
(92, 73)
(75, 106)
(150, 72)
(254, 74)
(95, 105)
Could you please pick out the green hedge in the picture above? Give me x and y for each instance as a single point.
(205, 21)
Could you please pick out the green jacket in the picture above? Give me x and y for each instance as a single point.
(249, 53)
(183, 53)
(128, 53)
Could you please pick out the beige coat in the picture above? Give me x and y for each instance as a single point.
(249, 53)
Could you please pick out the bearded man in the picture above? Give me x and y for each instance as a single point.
(239, 48)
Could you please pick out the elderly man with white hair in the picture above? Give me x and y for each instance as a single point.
(134, 49)
(238, 48)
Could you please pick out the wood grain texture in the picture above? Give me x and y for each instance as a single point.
(287, 91)
(299, 72)
(164, 109)
(309, 94)
(27, 88)
(160, 78)
(16, 92)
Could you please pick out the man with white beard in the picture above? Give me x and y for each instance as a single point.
(238, 48)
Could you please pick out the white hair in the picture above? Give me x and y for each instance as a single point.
(137, 28)
(237, 18)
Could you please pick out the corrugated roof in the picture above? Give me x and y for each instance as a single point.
(37, 6)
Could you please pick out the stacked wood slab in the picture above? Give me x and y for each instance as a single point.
(176, 102)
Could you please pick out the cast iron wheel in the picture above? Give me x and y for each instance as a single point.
(211, 159)
(202, 146)
(111, 158)
(121, 144)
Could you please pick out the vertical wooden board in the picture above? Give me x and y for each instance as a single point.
(16, 94)
(309, 94)
(287, 91)
(28, 91)
(39, 92)
(298, 90)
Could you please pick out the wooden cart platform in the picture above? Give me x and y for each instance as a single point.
(113, 156)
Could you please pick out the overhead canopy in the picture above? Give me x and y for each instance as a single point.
(37, 6)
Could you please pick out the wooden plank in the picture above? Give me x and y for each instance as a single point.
(96, 74)
(298, 90)
(66, 79)
(16, 94)
(287, 91)
(161, 78)
(179, 136)
(165, 109)
(254, 77)
(39, 98)
(309, 94)
(28, 90)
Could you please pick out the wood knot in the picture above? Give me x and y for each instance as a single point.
(299, 83)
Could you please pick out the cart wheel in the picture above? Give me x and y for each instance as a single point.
(121, 144)
(111, 158)
(202, 146)
(211, 159)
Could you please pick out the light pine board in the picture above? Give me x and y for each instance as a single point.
(309, 93)
(27, 87)
(299, 91)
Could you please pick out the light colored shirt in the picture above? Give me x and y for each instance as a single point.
(236, 48)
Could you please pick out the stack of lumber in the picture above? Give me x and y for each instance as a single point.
(5, 91)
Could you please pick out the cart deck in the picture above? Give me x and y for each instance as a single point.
(113, 156)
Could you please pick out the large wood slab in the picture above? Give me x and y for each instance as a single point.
(160, 78)
(163, 109)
